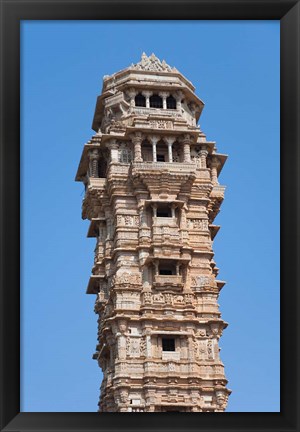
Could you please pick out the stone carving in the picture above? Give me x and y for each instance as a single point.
(158, 298)
(171, 367)
(201, 224)
(160, 124)
(221, 398)
(153, 64)
(128, 220)
(168, 298)
(147, 297)
(132, 347)
(210, 349)
(189, 298)
(202, 349)
(127, 278)
(179, 299)
(124, 396)
(125, 154)
(127, 235)
(201, 332)
(195, 347)
(200, 281)
(143, 346)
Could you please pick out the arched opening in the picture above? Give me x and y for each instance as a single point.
(161, 151)
(147, 153)
(156, 101)
(171, 102)
(140, 100)
(177, 152)
(102, 166)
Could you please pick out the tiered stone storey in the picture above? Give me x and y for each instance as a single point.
(152, 194)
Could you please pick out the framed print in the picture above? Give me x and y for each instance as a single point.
(150, 182)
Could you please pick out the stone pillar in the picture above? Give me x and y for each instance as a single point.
(154, 151)
(214, 170)
(155, 262)
(121, 346)
(154, 208)
(164, 96)
(183, 347)
(132, 94)
(173, 206)
(183, 218)
(108, 219)
(108, 229)
(191, 354)
(203, 156)
(154, 140)
(122, 339)
(147, 95)
(170, 141)
(148, 342)
(186, 148)
(94, 157)
(178, 96)
(142, 214)
(114, 150)
(137, 139)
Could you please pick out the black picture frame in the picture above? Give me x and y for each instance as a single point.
(12, 12)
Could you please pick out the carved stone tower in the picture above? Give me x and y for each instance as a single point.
(152, 194)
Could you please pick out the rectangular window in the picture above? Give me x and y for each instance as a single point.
(165, 272)
(168, 344)
(163, 213)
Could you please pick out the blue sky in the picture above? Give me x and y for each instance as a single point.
(234, 66)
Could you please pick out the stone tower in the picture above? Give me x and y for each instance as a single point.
(151, 195)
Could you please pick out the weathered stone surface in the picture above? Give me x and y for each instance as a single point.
(151, 194)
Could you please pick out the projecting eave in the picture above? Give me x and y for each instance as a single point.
(84, 160)
(120, 77)
(93, 227)
(165, 201)
(214, 229)
(220, 284)
(221, 158)
(99, 109)
(93, 285)
(147, 131)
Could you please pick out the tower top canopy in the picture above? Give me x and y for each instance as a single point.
(153, 64)
(148, 65)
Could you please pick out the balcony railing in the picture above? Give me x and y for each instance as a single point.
(168, 280)
(218, 191)
(170, 355)
(96, 182)
(156, 111)
(183, 167)
(165, 221)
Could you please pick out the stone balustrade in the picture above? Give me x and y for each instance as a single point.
(175, 167)
(218, 191)
(168, 279)
(155, 111)
(170, 355)
(96, 182)
(114, 99)
(165, 221)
